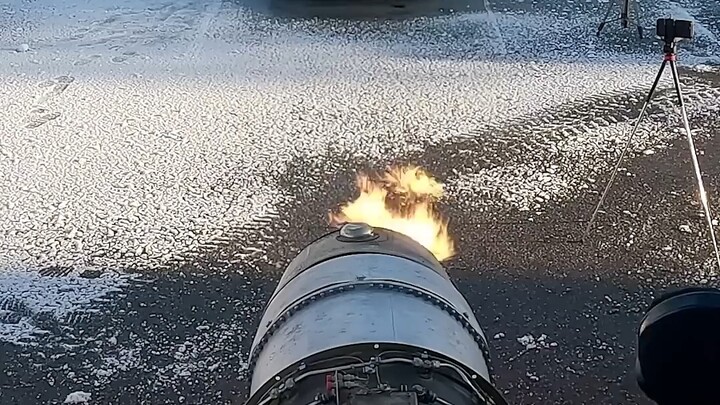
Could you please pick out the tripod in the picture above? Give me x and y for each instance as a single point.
(625, 17)
(670, 58)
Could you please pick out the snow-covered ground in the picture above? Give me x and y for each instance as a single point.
(135, 134)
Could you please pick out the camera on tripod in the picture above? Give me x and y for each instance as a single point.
(671, 30)
(679, 338)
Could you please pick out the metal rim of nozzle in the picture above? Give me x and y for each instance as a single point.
(357, 232)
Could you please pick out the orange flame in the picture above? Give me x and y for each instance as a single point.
(403, 200)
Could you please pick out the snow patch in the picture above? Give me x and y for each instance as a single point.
(30, 302)
(149, 132)
(531, 342)
(78, 397)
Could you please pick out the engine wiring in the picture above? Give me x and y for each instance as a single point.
(423, 361)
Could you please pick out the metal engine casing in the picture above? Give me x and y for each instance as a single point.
(378, 292)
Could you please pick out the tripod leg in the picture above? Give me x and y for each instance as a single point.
(625, 14)
(624, 151)
(605, 19)
(696, 164)
(636, 9)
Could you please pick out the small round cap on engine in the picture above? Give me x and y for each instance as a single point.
(356, 231)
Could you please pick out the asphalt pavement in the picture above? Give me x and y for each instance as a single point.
(181, 334)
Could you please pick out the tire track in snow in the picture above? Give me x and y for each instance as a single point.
(209, 16)
(496, 27)
(542, 156)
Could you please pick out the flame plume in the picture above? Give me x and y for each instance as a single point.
(403, 200)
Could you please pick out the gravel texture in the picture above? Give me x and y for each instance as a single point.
(160, 162)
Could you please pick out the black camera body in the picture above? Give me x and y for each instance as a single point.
(678, 349)
(671, 30)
